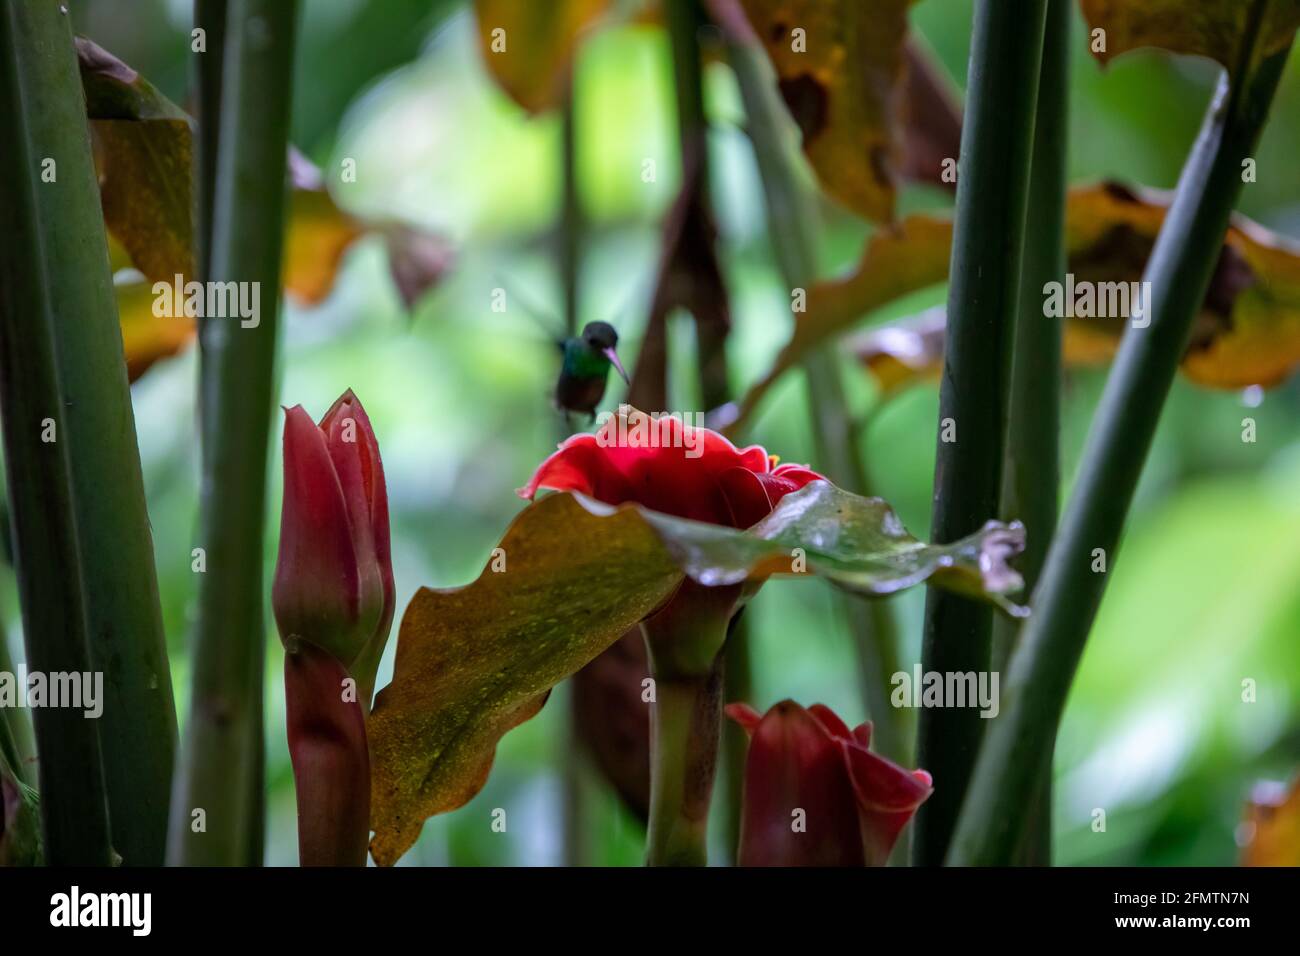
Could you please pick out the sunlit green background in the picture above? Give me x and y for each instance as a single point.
(1205, 594)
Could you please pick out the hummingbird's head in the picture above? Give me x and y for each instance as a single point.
(601, 337)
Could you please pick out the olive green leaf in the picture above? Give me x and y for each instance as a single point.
(570, 577)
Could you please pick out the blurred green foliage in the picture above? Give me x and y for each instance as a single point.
(1203, 596)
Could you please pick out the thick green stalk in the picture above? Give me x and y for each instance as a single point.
(49, 222)
(983, 296)
(1044, 663)
(684, 642)
(792, 228)
(1032, 467)
(221, 773)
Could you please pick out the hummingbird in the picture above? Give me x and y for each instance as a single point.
(584, 368)
(585, 360)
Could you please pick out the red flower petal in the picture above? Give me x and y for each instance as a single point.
(799, 807)
(317, 582)
(670, 467)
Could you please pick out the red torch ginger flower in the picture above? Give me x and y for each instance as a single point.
(670, 467)
(815, 795)
(334, 576)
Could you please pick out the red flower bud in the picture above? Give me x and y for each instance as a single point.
(334, 576)
(815, 795)
(670, 467)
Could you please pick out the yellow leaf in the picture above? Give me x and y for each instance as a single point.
(1211, 28)
(146, 338)
(528, 47)
(319, 234)
(840, 68)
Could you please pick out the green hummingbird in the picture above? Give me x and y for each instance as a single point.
(584, 368)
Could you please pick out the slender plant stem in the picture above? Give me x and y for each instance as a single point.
(15, 725)
(685, 20)
(572, 220)
(207, 68)
(576, 799)
(1069, 592)
(983, 295)
(1032, 468)
(221, 773)
(793, 230)
(50, 210)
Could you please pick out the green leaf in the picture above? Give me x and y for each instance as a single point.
(475, 661)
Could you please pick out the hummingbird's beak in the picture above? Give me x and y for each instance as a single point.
(613, 358)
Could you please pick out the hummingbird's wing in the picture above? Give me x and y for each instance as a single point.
(545, 319)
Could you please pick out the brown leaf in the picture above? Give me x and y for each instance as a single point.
(840, 69)
(1272, 826)
(417, 260)
(1247, 333)
(613, 721)
(1211, 28)
(142, 153)
(931, 120)
(528, 47)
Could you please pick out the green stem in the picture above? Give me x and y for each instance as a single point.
(15, 725)
(684, 643)
(576, 798)
(1032, 476)
(1043, 666)
(792, 228)
(983, 295)
(571, 216)
(51, 223)
(222, 769)
(209, 16)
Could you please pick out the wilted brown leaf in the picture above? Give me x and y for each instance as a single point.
(528, 47)
(1247, 332)
(613, 721)
(142, 154)
(840, 68)
(1272, 826)
(1212, 28)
